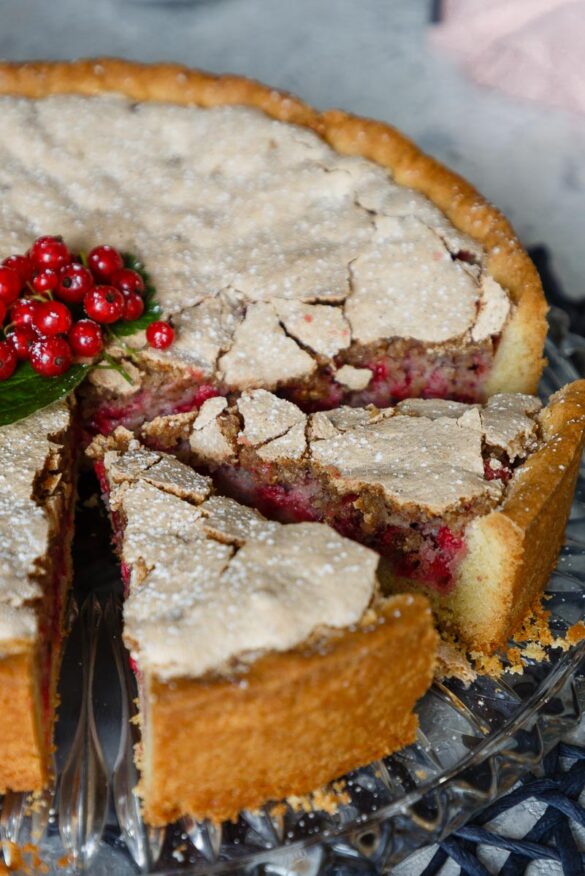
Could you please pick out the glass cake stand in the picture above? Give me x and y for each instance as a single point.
(472, 745)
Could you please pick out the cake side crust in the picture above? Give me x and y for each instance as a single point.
(23, 764)
(291, 723)
(518, 362)
(517, 546)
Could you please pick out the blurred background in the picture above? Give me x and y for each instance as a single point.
(382, 58)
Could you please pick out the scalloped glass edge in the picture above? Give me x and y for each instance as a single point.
(472, 746)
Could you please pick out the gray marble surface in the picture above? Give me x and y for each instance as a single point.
(369, 56)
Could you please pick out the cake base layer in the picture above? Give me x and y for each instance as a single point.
(291, 723)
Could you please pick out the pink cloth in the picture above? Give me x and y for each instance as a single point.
(531, 49)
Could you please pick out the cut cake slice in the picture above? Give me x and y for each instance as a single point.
(468, 503)
(268, 662)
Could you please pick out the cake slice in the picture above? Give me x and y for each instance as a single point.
(468, 503)
(268, 662)
(36, 523)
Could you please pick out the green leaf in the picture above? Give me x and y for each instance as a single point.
(27, 392)
(152, 310)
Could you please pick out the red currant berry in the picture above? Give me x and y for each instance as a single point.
(86, 338)
(127, 281)
(22, 265)
(3, 312)
(74, 282)
(23, 312)
(133, 306)
(9, 285)
(50, 357)
(104, 304)
(104, 261)
(21, 340)
(52, 318)
(160, 335)
(49, 252)
(8, 360)
(45, 282)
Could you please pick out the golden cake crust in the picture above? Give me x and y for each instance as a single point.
(518, 361)
(24, 764)
(277, 733)
(512, 551)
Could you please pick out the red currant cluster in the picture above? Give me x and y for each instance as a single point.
(53, 306)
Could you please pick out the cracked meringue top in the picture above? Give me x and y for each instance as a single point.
(212, 580)
(28, 449)
(424, 453)
(268, 248)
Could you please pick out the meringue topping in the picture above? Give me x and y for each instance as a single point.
(270, 251)
(213, 581)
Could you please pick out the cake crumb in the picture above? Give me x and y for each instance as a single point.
(327, 799)
(487, 664)
(575, 633)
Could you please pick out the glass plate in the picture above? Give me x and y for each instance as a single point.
(472, 745)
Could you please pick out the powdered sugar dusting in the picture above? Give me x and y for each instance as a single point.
(212, 581)
(26, 449)
(269, 249)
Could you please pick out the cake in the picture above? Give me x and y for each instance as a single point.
(36, 524)
(457, 497)
(268, 661)
(314, 269)
(315, 254)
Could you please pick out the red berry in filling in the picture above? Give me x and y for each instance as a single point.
(21, 340)
(448, 541)
(204, 392)
(9, 285)
(52, 318)
(493, 472)
(160, 335)
(45, 281)
(8, 360)
(3, 311)
(23, 312)
(133, 306)
(75, 281)
(49, 252)
(127, 280)
(86, 338)
(104, 304)
(50, 357)
(380, 370)
(104, 261)
(22, 265)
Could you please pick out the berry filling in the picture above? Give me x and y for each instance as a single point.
(426, 552)
(154, 400)
(403, 371)
(460, 379)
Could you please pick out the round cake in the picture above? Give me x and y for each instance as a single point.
(351, 342)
